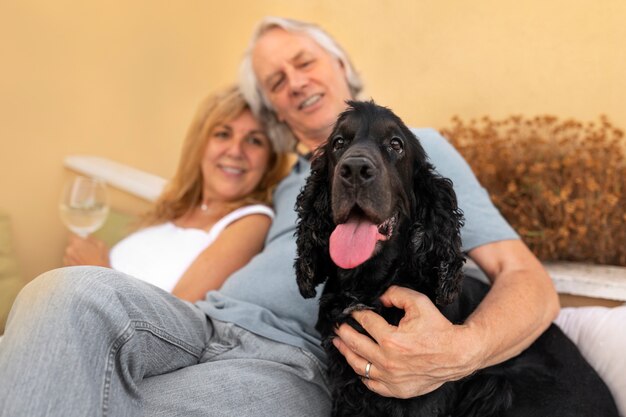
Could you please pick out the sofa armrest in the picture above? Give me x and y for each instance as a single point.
(578, 279)
(132, 180)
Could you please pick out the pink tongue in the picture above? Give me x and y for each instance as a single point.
(353, 242)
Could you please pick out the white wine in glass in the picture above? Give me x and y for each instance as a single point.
(84, 205)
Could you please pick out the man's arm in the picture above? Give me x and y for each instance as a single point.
(425, 350)
(520, 305)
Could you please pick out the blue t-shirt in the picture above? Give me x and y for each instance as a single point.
(263, 296)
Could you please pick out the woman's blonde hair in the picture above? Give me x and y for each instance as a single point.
(184, 191)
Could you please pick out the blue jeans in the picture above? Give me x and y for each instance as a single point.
(87, 341)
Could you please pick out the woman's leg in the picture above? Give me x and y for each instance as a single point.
(79, 340)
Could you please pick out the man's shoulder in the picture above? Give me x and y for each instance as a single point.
(428, 134)
(433, 142)
(289, 187)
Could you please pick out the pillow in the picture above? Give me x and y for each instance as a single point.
(10, 281)
(600, 334)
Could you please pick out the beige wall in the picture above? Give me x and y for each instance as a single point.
(122, 78)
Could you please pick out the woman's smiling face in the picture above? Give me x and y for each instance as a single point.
(236, 157)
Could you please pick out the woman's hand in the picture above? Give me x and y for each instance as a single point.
(86, 251)
(424, 351)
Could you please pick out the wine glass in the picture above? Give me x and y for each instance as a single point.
(84, 205)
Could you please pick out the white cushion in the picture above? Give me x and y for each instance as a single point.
(600, 334)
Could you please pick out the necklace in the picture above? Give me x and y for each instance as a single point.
(205, 208)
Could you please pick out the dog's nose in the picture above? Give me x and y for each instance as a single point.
(357, 170)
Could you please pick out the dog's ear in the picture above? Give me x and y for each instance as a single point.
(314, 227)
(436, 232)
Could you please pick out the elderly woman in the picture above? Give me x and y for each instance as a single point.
(215, 213)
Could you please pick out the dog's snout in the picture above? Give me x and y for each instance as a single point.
(357, 170)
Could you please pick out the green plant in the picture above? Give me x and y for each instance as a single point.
(560, 183)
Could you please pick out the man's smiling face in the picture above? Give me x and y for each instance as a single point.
(306, 86)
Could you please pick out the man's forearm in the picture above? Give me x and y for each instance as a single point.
(519, 307)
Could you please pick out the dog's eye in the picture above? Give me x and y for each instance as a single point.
(396, 144)
(338, 143)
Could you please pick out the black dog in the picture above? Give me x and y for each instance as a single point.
(373, 214)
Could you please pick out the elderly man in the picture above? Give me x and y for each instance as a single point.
(90, 341)
(303, 83)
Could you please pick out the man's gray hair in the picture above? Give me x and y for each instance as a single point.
(251, 88)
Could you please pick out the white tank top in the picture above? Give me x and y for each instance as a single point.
(162, 253)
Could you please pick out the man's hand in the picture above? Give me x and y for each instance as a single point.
(424, 351)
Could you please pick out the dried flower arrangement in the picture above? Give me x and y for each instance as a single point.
(560, 183)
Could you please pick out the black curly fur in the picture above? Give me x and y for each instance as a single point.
(431, 201)
(423, 253)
